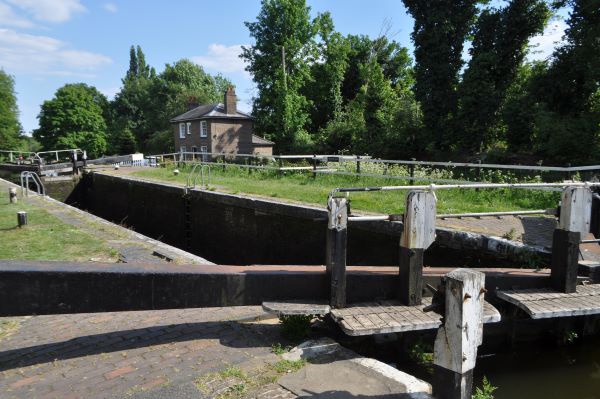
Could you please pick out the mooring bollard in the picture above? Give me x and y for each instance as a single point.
(456, 342)
(12, 195)
(337, 239)
(22, 218)
(574, 223)
(417, 236)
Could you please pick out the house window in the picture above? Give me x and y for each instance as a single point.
(189, 127)
(182, 130)
(194, 149)
(203, 129)
(204, 151)
(182, 149)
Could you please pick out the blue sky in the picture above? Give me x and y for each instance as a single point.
(47, 43)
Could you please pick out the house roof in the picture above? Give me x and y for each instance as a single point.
(257, 140)
(209, 111)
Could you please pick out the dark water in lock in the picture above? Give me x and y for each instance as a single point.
(571, 372)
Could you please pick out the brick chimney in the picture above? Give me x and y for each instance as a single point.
(230, 101)
(192, 103)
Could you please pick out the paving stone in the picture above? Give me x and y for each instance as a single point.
(119, 354)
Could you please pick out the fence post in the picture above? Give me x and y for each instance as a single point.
(336, 247)
(411, 171)
(84, 157)
(574, 223)
(280, 163)
(74, 158)
(10, 156)
(223, 158)
(456, 342)
(358, 164)
(314, 165)
(417, 236)
(568, 173)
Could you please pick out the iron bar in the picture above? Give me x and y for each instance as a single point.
(551, 211)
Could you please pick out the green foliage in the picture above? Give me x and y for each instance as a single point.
(499, 46)
(278, 349)
(10, 128)
(288, 366)
(74, 118)
(295, 327)
(284, 36)
(146, 103)
(439, 33)
(486, 391)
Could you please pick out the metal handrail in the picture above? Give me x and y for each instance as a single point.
(25, 175)
(199, 167)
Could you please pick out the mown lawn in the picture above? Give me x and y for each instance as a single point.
(45, 237)
(302, 187)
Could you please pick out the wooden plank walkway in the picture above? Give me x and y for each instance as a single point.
(543, 303)
(381, 317)
(296, 308)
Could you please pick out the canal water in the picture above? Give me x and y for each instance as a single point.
(570, 372)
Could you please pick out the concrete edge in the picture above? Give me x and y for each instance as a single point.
(313, 349)
(169, 249)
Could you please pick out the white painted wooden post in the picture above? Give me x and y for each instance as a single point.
(574, 223)
(417, 236)
(337, 239)
(576, 210)
(455, 348)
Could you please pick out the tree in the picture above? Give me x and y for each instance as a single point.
(439, 33)
(279, 61)
(73, 119)
(10, 128)
(498, 49)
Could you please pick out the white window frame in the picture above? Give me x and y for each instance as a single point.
(203, 129)
(182, 130)
(189, 127)
(204, 152)
(182, 149)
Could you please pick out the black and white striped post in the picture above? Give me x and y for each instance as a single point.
(337, 239)
(12, 195)
(417, 236)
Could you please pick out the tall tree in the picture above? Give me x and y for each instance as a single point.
(574, 74)
(73, 119)
(439, 33)
(498, 49)
(10, 128)
(279, 61)
(324, 89)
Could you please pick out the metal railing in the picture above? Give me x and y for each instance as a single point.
(15, 156)
(197, 171)
(409, 170)
(25, 176)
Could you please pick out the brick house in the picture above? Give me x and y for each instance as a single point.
(217, 129)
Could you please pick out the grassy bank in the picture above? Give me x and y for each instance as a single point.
(302, 187)
(45, 237)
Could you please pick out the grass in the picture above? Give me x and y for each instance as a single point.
(240, 384)
(45, 237)
(303, 188)
(7, 327)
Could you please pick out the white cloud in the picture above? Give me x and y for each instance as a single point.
(543, 45)
(221, 58)
(9, 18)
(42, 55)
(110, 92)
(110, 7)
(50, 10)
